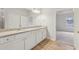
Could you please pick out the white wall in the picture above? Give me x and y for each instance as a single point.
(47, 18)
(61, 23)
(1, 20)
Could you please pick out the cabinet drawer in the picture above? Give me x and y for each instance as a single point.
(13, 45)
(12, 38)
(21, 36)
(3, 40)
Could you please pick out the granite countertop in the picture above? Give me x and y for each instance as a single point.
(16, 31)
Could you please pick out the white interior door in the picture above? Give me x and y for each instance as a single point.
(76, 27)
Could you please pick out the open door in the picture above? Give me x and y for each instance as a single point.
(76, 28)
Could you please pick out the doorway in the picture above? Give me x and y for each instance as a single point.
(64, 26)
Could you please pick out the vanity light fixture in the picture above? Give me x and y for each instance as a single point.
(36, 10)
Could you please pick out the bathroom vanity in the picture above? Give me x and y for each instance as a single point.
(22, 39)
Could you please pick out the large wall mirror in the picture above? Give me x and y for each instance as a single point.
(13, 18)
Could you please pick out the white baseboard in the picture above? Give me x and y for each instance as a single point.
(53, 39)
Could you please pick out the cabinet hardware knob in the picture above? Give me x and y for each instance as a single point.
(7, 39)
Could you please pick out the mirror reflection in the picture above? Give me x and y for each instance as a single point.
(17, 18)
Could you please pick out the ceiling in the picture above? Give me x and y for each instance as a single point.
(64, 10)
(58, 10)
(61, 9)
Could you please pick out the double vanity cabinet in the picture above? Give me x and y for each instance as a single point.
(24, 39)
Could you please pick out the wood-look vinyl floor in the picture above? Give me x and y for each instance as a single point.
(48, 44)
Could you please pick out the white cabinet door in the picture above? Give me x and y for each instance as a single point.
(34, 37)
(11, 43)
(41, 35)
(34, 34)
(30, 40)
(44, 33)
(38, 36)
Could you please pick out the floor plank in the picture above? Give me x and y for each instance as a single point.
(48, 44)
